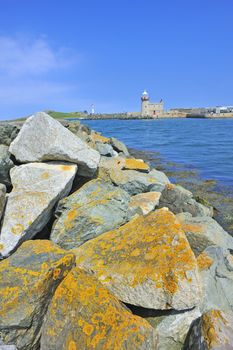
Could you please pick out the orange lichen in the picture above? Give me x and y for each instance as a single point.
(98, 319)
(192, 228)
(135, 164)
(204, 261)
(100, 138)
(72, 345)
(17, 229)
(45, 175)
(212, 323)
(88, 329)
(147, 248)
(170, 186)
(65, 167)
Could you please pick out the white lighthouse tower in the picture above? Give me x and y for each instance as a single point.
(145, 103)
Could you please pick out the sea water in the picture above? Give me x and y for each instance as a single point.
(202, 144)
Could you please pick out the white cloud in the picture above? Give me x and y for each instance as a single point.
(22, 56)
(33, 75)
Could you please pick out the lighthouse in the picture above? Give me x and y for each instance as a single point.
(145, 103)
(151, 109)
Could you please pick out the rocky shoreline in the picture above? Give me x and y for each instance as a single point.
(99, 250)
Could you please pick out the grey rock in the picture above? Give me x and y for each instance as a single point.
(147, 262)
(179, 200)
(212, 331)
(217, 279)
(37, 187)
(144, 203)
(96, 208)
(5, 165)
(28, 280)
(203, 231)
(105, 149)
(2, 199)
(119, 146)
(7, 347)
(8, 132)
(43, 138)
(84, 315)
(172, 329)
(135, 182)
(160, 176)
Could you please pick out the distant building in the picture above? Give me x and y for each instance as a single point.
(149, 109)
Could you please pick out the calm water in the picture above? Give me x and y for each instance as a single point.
(203, 144)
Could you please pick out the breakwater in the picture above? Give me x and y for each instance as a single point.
(100, 250)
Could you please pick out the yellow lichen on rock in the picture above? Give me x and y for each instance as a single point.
(135, 164)
(145, 202)
(204, 261)
(99, 138)
(81, 306)
(28, 279)
(214, 326)
(150, 250)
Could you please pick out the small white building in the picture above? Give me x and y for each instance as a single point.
(149, 109)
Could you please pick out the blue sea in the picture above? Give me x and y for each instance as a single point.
(205, 145)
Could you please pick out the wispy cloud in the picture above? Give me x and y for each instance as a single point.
(23, 56)
(33, 75)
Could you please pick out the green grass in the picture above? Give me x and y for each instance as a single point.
(56, 115)
(63, 115)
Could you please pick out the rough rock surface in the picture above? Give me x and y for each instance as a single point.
(84, 315)
(2, 199)
(28, 280)
(136, 164)
(43, 138)
(96, 208)
(99, 138)
(8, 132)
(144, 203)
(36, 189)
(179, 200)
(216, 270)
(147, 262)
(119, 146)
(5, 165)
(135, 182)
(105, 149)
(172, 329)
(7, 347)
(213, 331)
(203, 232)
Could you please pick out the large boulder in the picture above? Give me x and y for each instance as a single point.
(5, 165)
(179, 200)
(212, 331)
(37, 187)
(135, 182)
(216, 270)
(173, 329)
(8, 132)
(43, 138)
(96, 208)
(2, 199)
(203, 231)
(147, 262)
(28, 280)
(84, 315)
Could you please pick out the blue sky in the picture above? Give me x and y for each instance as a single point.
(66, 55)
